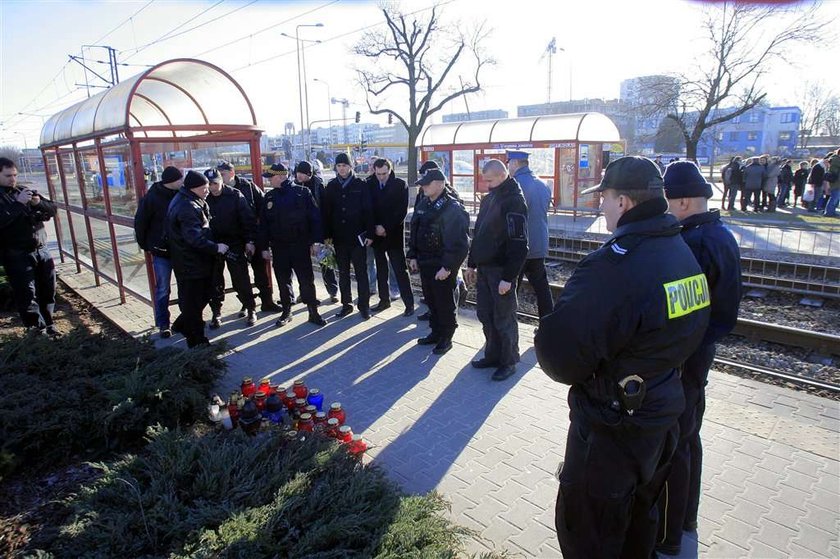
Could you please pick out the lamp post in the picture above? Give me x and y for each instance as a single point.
(300, 84)
(25, 158)
(329, 110)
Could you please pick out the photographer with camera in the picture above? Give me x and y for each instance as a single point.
(193, 254)
(23, 250)
(233, 223)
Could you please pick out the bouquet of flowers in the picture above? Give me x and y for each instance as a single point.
(326, 256)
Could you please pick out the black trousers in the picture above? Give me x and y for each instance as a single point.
(240, 280)
(357, 255)
(288, 258)
(193, 296)
(261, 278)
(440, 298)
(612, 477)
(32, 276)
(534, 270)
(396, 257)
(330, 281)
(747, 195)
(497, 314)
(681, 496)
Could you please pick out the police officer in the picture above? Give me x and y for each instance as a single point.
(717, 252)
(149, 232)
(499, 248)
(290, 224)
(390, 206)
(193, 254)
(437, 246)
(537, 198)
(629, 316)
(254, 196)
(348, 221)
(23, 252)
(233, 223)
(305, 175)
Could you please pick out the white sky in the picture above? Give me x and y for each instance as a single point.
(606, 41)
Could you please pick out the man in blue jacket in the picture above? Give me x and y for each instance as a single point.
(149, 232)
(537, 198)
(629, 316)
(717, 252)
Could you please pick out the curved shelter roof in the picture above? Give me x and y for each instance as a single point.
(582, 127)
(177, 98)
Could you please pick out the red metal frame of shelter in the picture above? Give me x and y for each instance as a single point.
(483, 150)
(130, 138)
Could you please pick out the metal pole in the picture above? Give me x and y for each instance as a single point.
(306, 103)
(300, 88)
(329, 110)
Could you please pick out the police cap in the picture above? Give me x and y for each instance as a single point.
(224, 166)
(430, 176)
(428, 166)
(516, 154)
(276, 169)
(213, 175)
(632, 172)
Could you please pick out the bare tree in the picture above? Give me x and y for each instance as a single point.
(415, 67)
(831, 117)
(11, 152)
(816, 103)
(744, 41)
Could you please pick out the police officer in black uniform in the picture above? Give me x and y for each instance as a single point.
(233, 223)
(389, 196)
(254, 196)
(23, 251)
(290, 225)
(629, 316)
(348, 221)
(305, 176)
(716, 250)
(193, 254)
(150, 235)
(498, 251)
(437, 246)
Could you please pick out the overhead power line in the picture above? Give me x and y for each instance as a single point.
(126, 20)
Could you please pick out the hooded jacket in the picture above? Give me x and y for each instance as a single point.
(150, 217)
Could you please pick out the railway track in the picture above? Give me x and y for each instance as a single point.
(780, 375)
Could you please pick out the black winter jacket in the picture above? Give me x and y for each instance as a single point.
(232, 221)
(347, 211)
(191, 244)
(254, 195)
(717, 252)
(22, 226)
(500, 236)
(150, 217)
(637, 305)
(439, 233)
(289, 216)
(390, 206)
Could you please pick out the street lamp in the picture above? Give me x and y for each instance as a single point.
(300, 81)
(329, 110)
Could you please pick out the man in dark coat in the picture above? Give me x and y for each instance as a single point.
(629, 316)
(290, 226)
(150, 234)
(498, 251)
(389, 196)
(348, 221)
(305, 176)
(437, 246)
(716, 250)
(193, 254)
(233, 223)
(254, 196)
(23, 251)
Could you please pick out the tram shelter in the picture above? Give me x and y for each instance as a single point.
(569, 152)
(102, 154)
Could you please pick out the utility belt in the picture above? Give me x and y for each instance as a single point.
(624, 394)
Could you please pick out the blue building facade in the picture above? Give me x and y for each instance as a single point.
(763, 129)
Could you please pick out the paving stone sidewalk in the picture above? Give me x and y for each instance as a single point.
(771, 474)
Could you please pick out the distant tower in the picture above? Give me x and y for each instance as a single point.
(549, 52)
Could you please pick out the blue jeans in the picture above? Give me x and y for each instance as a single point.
(163, 277)
(831, 205)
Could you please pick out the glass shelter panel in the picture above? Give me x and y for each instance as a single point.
(132, 261)
(512, 130)
(81, 238)
(102, 245)
(597, 127)
(74, 191)
(94, 192)
(64, 226)
(120, 181)
(556, 127)
(463, 162)
(477, 132)
(55, 179)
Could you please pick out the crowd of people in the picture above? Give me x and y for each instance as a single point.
(767, 183)
(633, 332)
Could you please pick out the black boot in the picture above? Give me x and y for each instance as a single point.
(285, 318)
(315, 317)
